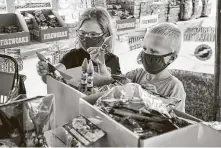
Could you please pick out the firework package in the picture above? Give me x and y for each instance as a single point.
(145, 114)
(79, 132)
(45, 25)
(24, 121)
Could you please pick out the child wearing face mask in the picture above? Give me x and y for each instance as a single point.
(162, 44)
(94, 27)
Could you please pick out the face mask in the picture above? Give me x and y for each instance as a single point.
(154, 64)
(87, 42)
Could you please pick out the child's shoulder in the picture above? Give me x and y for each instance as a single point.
(176, 83)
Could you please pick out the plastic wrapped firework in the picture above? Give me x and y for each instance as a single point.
(80, 132)
(24, 121)
(39, 16)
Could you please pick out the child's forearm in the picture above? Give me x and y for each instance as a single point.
(104, 71)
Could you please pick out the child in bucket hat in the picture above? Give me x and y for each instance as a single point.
(161, 47)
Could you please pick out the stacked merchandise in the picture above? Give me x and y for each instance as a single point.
(207, 8)
(197, 9)
(9, 29)
(173, 12)
(80, 132)
(145, 8)
(44, 22)
(163, 13)
(136, 11)
(186, 9)
(98, 3)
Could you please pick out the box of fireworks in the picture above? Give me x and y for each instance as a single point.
(186, 9)
(24, 121)
(116, 113)
(126, 24)
(67, 95)
(148, 21)
(13, 31)
(47, 25)
(79, 132)
(207, 8)
(197, 9)
(12, 83)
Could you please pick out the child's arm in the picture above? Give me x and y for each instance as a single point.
(179, 92)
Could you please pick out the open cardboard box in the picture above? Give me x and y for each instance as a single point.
(50, 34)
(120, 136)
(67, 98)
(8, 40)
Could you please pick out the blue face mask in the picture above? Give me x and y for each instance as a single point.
(154, 64)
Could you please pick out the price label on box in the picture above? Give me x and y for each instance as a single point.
(148, 21)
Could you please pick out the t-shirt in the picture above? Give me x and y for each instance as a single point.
(170, 87)
(75, 58)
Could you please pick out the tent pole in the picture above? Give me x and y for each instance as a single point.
(217, 102)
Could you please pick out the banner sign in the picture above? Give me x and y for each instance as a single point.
(126, 24)
(148, 21)
(200, 34)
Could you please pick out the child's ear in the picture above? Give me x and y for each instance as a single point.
(172, 58)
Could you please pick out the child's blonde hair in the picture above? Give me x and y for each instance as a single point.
(102, 17)
(170, 32)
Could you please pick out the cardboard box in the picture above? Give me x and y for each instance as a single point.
(66, 101)
(66, 97)
(50, 34)
(118, 135)
(8, 40)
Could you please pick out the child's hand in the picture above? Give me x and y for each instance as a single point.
(97, 55)
(150, 87)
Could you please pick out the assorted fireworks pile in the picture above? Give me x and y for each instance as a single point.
(145, 114)
(24, 121)
(79, 132)
(44, 20)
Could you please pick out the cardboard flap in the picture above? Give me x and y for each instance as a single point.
(197, 135)
(66, 101)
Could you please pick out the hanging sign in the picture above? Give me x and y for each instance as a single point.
(126, 24)
(200, 34)
(148, 21)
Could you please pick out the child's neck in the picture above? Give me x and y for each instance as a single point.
(160, 76)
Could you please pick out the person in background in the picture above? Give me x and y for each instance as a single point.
(94, 26)
(162, 44)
